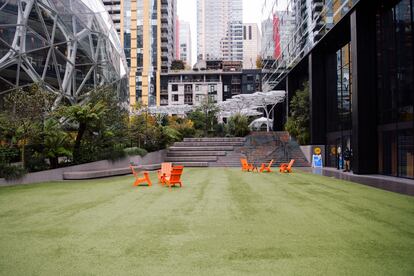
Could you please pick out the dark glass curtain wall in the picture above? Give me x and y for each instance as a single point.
(339, 121)
(395, 88)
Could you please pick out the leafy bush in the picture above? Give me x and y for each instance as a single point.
(205, 117)
(184, 126)
(221, 130)
(238, 125)
(36, 163)
(8, 154)
(135, 151)
(298, 122)
(169, 136)
(10, 172)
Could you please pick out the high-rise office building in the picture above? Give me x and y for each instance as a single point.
(251, 45)
(267, 43)
(177, 38)
(283, 29)
(220, 30)
(147, 31)
(185, 42)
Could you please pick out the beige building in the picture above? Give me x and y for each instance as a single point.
(251, 45)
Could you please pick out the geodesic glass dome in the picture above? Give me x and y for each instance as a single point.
(68, 46)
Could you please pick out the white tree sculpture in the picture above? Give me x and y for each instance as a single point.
(257, 100)
(170, 109)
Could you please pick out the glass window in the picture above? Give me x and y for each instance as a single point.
(395, 86)
(175, 98)
(406, 153)
(174, 87)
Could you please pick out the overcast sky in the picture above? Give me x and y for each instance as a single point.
(252, 13)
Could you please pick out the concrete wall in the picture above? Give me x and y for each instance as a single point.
(57, 174)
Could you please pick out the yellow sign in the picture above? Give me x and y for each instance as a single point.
(333, 150)
(317, 151)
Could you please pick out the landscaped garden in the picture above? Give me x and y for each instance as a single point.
(222, 221)
(36, 134)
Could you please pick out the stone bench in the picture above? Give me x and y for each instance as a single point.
(108, 173)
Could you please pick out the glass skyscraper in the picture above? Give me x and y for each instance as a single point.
(220, 30)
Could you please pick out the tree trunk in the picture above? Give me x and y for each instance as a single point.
(54, 162)
(76, 148)
(23, 154)
(267, 117)
(206, 125)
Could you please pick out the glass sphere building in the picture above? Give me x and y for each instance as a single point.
(69, 47)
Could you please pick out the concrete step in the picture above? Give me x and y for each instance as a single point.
(191, 159)
(217, 165)
(191, 164)
(215, 139)
(206, 144)
(195, 153)
(200, 148)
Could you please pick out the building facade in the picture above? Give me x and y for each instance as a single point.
(148, 32)
(69, 48)
(220, 30)
(283, 29)
(251, 45)
(192, 87)
(267, 43)
(114, 9)
(185, 43)
(360, 75)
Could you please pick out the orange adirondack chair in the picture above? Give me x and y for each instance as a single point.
(246, 167)
(164, 172)
(287, 167)
(139, 180)
(175, 177)
(267, 168)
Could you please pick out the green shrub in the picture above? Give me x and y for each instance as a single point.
(135, 151)
(115, 153)
(36, 163)
(184, 126)
(10, 172)
(298, 122)
(9, 154)
(220, 130)
(238, 125)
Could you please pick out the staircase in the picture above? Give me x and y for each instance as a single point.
(261, 147)
(258, 147)
(205, 152)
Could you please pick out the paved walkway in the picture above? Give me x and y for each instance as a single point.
(389, 183)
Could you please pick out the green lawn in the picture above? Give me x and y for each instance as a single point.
(222, 222)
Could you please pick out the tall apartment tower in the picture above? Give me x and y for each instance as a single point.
(220, 30)
(251, 45)
(114, 9)
(147, 32)
(185, 42)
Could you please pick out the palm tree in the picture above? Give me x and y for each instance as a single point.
(87, 117)
(56, 142)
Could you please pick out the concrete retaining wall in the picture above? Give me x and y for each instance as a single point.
(57, 174)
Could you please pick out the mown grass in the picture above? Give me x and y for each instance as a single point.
(222, 222)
